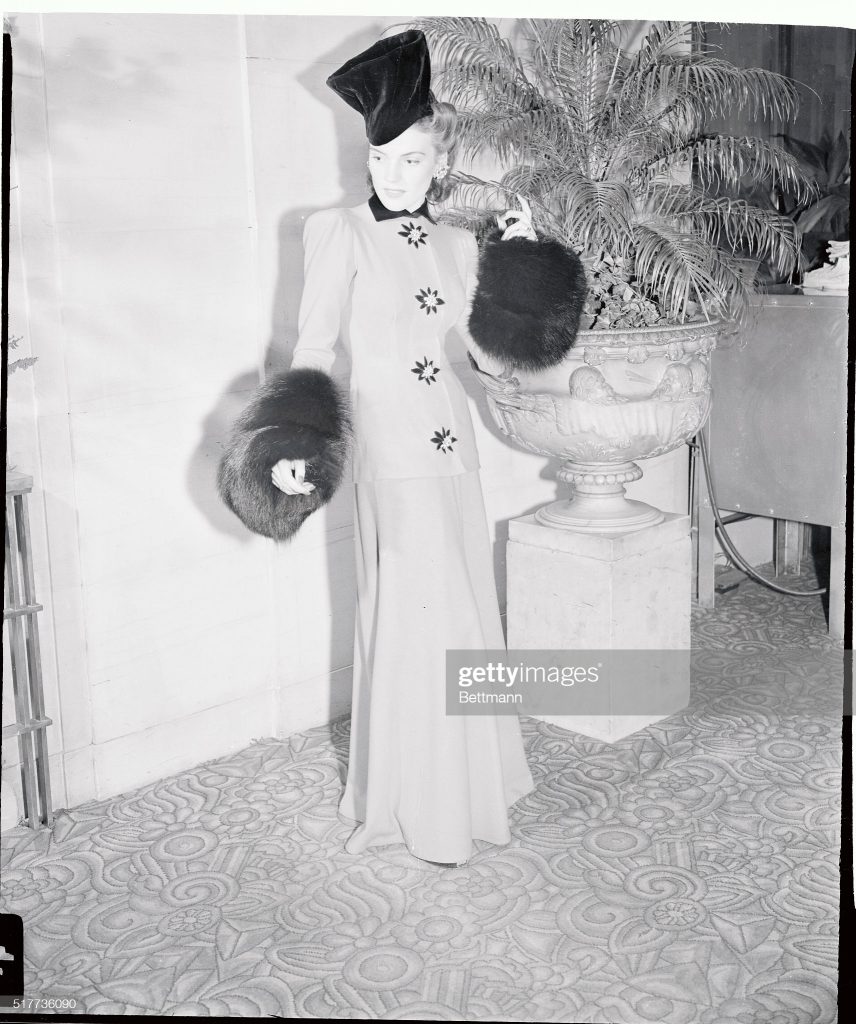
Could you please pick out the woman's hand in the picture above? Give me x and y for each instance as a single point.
(288, 475)
(521, 222)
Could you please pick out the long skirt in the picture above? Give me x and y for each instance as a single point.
(425, 584)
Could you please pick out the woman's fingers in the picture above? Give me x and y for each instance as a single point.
(284, 482)
(289, 476)
(515, 229)
(290, 486)
(507, 220)
(517, 223)
(519, 229)
(300, 475)
(524, 205)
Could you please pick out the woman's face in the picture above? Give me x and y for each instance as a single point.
(402, 170)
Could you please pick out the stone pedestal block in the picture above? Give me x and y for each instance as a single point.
(587, 592)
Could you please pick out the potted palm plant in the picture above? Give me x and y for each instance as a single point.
(607, 144)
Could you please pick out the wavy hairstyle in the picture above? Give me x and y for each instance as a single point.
(442, 126)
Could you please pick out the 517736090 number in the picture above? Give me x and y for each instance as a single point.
(35, 1004)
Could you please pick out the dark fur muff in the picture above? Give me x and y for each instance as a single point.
(527, 306)
(299, 414)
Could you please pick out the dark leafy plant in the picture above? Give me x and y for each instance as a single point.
(609, 147)
(824, 217)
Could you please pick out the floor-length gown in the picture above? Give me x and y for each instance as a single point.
(391, 287)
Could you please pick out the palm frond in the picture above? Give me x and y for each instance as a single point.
(596, 213)
(512, 132)
(479, 85)
(677, 268)
(728, 160)
(610, 148)
(732, 224)
(661, 39)
(474, 198)
(725, 87)
(478, 196)
(641, 138)
(576, 59)
(473, 41)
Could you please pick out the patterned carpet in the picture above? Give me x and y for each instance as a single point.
(686, 874)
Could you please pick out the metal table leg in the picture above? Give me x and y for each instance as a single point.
(20, 616)
(836, 583)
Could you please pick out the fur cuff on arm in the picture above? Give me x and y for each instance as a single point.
(299, 414)
(527, 306)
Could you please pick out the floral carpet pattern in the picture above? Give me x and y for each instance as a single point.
(688, 873)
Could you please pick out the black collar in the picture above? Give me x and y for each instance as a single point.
(382, 213)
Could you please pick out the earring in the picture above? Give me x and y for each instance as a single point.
(441, 172)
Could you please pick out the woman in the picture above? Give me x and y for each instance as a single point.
(424, 566)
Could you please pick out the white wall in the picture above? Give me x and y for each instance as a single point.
(141, 305)
(165, 165)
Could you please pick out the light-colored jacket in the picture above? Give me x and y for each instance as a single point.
(391, 292)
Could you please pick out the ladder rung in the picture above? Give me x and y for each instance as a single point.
(21, 727)
(24, 609)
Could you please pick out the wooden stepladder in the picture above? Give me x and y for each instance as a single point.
(20, 618)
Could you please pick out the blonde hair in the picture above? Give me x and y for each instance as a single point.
(442, 125)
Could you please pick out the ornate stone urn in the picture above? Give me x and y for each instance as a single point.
(619, 396)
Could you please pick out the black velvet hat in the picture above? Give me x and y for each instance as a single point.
(389, 84)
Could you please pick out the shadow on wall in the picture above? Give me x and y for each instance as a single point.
(204, 462)
(215, 429)
(100, 88)
(349, 175)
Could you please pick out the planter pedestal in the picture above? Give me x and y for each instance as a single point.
(598, 502)
(580, 591)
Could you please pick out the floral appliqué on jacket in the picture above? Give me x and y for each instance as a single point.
(444, 440)
(414, 233)
(426, 370)
(429, 300)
